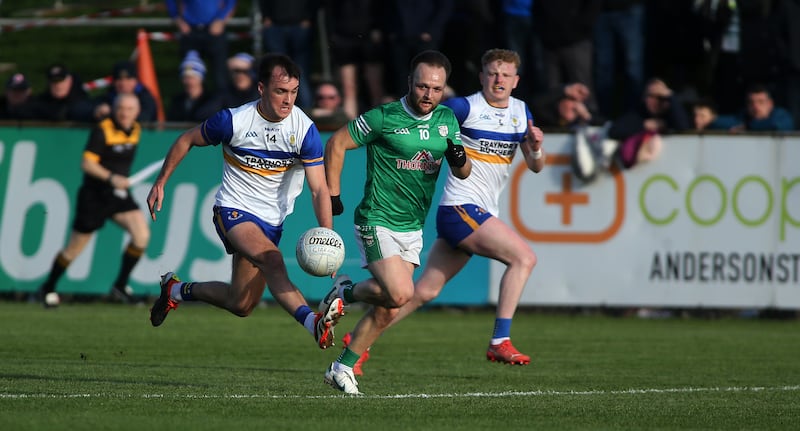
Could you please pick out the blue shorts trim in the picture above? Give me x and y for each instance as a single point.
(226, 218)
(454, 223)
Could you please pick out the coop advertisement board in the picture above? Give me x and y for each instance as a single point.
(714, 222)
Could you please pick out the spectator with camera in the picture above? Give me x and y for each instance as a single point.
(639, 130)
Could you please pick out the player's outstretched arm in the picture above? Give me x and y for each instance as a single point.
(338, 143)
(320, 196)
(177, 152)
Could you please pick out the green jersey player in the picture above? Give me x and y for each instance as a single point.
(406, 142)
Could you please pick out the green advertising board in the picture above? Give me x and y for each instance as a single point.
(39, 178)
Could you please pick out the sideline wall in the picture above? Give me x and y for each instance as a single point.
(714, 222)
(39, 178)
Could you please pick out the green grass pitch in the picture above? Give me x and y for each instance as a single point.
(102, 366)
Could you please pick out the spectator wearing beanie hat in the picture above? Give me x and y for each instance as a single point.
(194, 103)
(244, 87)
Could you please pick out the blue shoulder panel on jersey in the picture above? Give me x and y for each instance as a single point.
(460, 107)
(311, 152)
(218, 129)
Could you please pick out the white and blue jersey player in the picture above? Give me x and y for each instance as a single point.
(494, 125)
(269, 149)
(263, 169)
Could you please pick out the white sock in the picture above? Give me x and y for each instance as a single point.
(175, 292)
(338, 366)
(309, 323)
(496, 341)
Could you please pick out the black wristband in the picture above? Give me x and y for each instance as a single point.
(336, 205)
(110, 176)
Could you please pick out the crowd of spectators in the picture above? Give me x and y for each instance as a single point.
(734, 65)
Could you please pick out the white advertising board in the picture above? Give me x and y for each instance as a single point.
(713, 222)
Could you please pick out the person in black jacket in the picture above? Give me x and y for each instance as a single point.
(412, 26)
(65, 99)
(566, 29)
(243, 87)
(16, 103)
(125, 80)
(357, 45)
(194, 103)
(288, 28)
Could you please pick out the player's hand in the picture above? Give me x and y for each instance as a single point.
(455, 154)
(154, 199)
(537, 137)
(337, 207)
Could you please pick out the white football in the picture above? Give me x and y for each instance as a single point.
(320, 251)
(51, 299)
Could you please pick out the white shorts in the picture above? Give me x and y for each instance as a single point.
(377, 242)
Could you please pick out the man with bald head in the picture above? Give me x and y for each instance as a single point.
(104, 195)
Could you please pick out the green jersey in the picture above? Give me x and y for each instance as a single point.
(404, 155)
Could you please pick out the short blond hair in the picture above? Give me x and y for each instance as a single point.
(504, 55)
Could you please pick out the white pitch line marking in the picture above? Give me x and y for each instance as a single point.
(790, 388)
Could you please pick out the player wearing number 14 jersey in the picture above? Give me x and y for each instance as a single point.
(268, 147)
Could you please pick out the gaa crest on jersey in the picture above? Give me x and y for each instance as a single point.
(514, 121)
(443, 130)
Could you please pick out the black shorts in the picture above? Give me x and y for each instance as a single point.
(96, 205)
(352, 50)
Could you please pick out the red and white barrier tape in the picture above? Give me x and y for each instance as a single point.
(82, 18)
(97, 83)
(161, 36)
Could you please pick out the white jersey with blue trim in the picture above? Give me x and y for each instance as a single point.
(491, 137)
(263, 161)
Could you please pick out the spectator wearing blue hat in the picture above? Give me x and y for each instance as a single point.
(243, 86)
(194, 103)
(125, 81)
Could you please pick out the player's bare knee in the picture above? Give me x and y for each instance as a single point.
(242, 307)
(424, 295)
(399, 298)
(527, 260)
(141, 240)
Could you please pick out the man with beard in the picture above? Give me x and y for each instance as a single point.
(406, 141)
